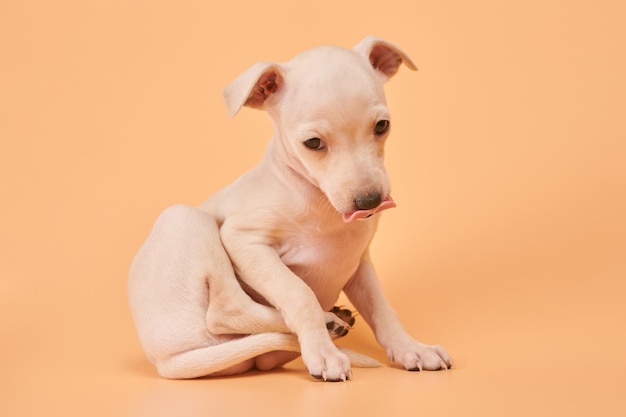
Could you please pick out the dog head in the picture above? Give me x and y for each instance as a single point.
(331, 118)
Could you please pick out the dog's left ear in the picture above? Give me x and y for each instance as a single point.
(384, 56)
(254, 87)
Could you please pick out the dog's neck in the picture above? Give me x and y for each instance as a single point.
(288, 169)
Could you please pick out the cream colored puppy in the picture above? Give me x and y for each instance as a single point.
(247, 280)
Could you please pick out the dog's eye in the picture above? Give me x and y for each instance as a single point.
(315, 144)
(382, 126)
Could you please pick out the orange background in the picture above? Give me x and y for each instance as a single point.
(507, 162)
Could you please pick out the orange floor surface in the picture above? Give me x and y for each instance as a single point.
(507, 161)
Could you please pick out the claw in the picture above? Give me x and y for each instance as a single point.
(342, 378)
(417, 368)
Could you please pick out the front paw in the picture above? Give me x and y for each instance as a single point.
(328, 364)
(416, 356)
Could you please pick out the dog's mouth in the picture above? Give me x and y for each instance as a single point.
(364, 214)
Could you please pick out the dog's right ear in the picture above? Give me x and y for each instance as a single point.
(384, 56)
(254, 87)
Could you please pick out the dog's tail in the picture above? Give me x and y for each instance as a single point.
(211, 359)
(359, 360)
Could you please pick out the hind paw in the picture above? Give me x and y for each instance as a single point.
(339, 321)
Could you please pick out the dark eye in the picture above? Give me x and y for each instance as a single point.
(382, 126)
(315, 144)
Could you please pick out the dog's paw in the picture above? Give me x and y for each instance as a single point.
(339, 321)
(328, 364)
(416, 356)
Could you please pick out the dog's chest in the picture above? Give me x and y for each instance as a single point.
(325, 259)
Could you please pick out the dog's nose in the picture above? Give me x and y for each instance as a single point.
(368, 201)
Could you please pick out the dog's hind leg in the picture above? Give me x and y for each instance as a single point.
(230, 309)
(182, 288)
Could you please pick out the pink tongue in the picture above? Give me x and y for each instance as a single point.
(363, 214)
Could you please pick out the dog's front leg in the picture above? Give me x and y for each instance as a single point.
(365, 292)
(260, 267)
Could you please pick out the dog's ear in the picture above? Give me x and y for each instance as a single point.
(384, 56)
(253, 87)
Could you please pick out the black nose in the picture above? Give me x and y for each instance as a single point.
(368, 201)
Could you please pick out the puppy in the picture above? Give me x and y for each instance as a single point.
(249, 279)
